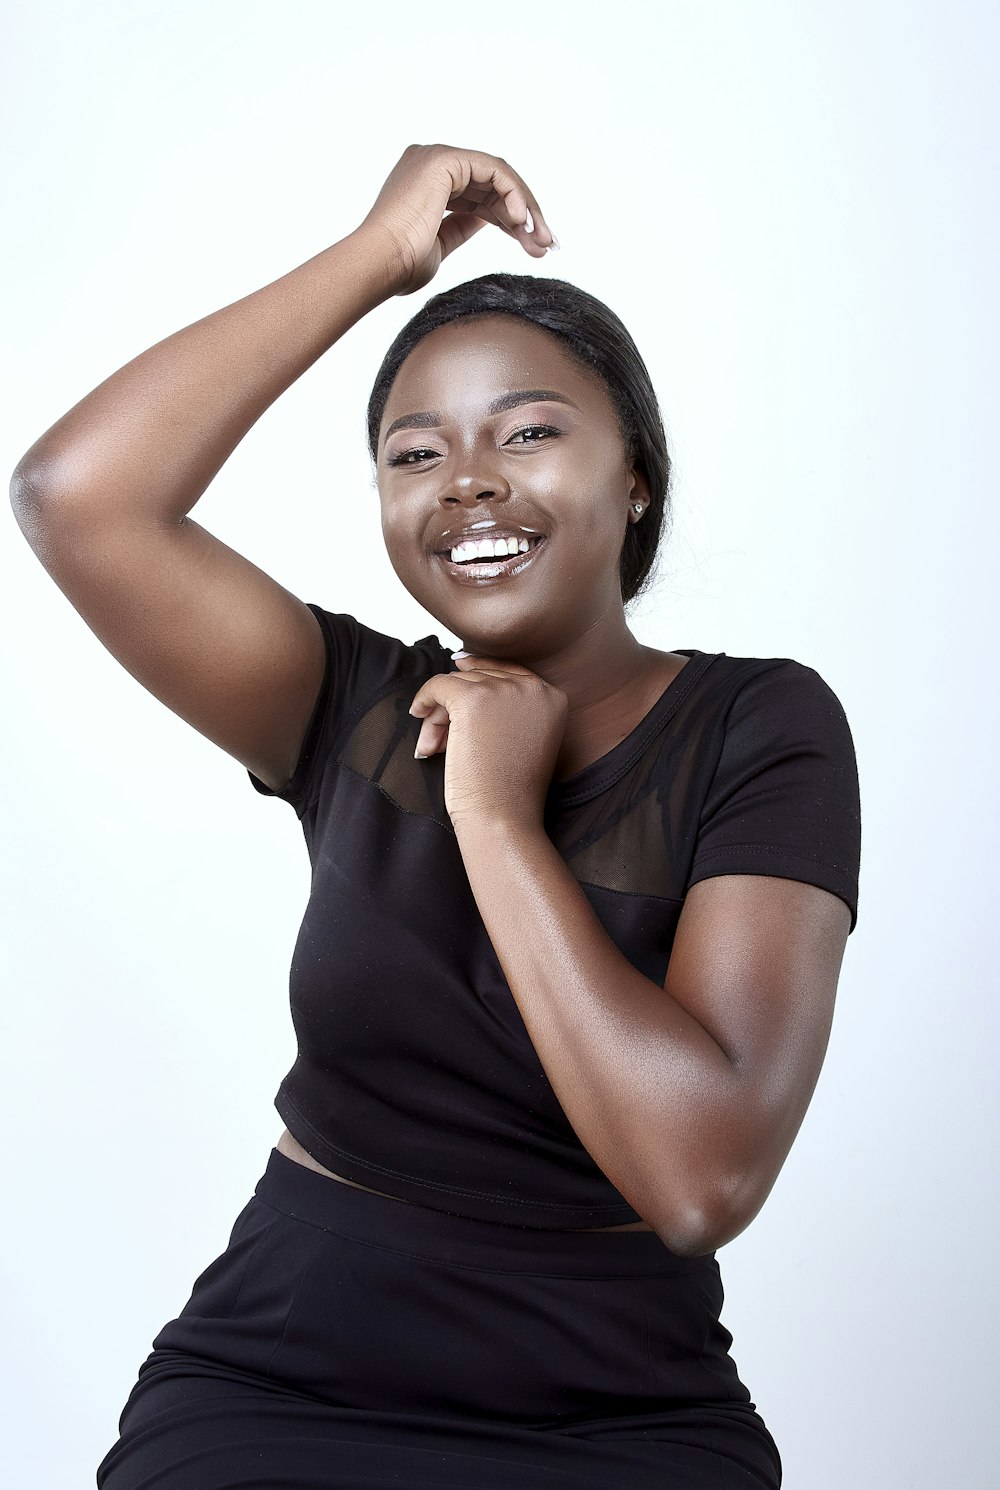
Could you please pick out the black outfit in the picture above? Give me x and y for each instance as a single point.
(476, 1336)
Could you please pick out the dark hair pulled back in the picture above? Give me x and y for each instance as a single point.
(599, 343)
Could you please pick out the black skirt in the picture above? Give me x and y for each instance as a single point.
(346, 1341)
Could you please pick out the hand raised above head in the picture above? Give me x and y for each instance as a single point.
(472, 187)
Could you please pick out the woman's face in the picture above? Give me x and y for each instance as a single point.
(551, 465)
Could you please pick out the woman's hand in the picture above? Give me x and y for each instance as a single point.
(503, 727)
(474, 188)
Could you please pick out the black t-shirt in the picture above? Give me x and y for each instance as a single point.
(415, 1074)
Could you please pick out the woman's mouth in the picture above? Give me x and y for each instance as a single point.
(485, 571)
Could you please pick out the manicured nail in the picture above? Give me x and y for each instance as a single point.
(461, 654)
(555, 242)
(418, 757)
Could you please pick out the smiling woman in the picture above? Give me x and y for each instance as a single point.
(565, 976)
(592, 383)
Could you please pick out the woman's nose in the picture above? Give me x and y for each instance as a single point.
(471, 485)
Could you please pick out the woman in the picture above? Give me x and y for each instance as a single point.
(566, 975)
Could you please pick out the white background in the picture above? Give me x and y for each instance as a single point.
(792, 208)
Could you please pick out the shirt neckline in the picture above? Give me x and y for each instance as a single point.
(601, 773)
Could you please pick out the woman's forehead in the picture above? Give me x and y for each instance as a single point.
(472, 362)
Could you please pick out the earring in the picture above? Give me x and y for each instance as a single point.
(636, 506)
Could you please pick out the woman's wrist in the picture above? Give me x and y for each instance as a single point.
(380, 259)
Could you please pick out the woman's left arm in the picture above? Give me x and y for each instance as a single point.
(688, 1096)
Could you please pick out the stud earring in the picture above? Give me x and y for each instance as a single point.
(636, 506)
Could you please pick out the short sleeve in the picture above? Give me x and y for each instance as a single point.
(784, 799)
(360, 663)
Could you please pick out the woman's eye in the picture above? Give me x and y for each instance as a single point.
(545, 429)
(403, 458)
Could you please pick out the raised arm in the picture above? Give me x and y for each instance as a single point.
(103, 496)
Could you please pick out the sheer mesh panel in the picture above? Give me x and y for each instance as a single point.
(626, 838)
(632, 836)
(380, 747)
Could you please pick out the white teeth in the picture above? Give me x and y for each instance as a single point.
(488, 548)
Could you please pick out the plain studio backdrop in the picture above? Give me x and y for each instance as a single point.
(792, 208)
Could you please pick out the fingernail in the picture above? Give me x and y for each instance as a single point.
(418, 757)
(461, 654)
(554, 244)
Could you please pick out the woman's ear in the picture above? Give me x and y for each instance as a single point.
(640, 486)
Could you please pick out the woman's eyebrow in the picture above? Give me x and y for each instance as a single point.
(431, 419)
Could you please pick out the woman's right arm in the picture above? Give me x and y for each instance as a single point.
(103, 496)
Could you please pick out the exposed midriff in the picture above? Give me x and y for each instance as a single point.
(292, 1149)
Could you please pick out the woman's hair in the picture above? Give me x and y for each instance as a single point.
(599, 343)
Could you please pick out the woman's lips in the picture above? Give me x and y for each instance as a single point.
(491, 571)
